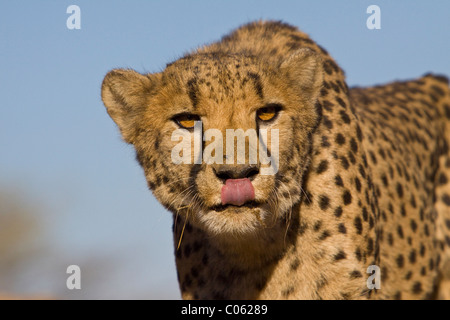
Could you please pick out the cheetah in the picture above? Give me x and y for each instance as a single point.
(362, 180)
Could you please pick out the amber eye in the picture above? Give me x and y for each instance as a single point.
(268, 113)
(186, 120)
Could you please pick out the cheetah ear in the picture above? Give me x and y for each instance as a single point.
(304, 69)
(124, 93)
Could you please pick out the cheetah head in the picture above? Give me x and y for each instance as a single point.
(215, 92)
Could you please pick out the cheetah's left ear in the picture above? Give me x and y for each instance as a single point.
(304, 69)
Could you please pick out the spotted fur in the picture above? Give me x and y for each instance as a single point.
(363, 177)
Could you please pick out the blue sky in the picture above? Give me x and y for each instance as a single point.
(60, 148)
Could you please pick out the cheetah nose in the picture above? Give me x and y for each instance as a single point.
(237, 191)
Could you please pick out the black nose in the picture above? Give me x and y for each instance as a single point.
(225, 172)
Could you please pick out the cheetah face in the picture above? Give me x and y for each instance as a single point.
(178, 121)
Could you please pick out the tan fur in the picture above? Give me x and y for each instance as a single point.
(363, 176)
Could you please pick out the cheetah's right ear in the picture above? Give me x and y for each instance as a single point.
(304, 69)
(125, 93)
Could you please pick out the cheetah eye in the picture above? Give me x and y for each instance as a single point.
(186, 120)
(269, 112)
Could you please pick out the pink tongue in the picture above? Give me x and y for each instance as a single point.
(237, 191)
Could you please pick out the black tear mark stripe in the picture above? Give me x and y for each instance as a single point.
(192, 90)
(257, 83)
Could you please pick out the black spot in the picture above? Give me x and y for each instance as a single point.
(446, 199)
(187, 281)
(413, 202)
(317, 225)
(373, 157)
(358, 225)
(400, 190)
(339, 256)
(324, 202)
(382, 154)
(201, 282)
(431, 264)
(403, 210)
(398, 295)
(346, 295)
(327, 122)
(308, 198)
(338, 181)
(187, 250)
(358, 254)
(353, 145)
(295, 264)
(197, 246)
(344, 116)
(192, 90)
(400, 260)
(438, 90)
(302, 228)
(344, 162)
(409, 275)
(365, 214)
(288, 291)
(351, 157)
(447, 111)
(342, 228)
(383, 215)
(355, 274)
(412, 256)
(324, 235)
(322, 282)
(194, 272)
(417, 288)
(422, 250)
(413, 225)
(205, 259)
(328, 69)
(347, 197)
(179, 254)
(257, 83)
(362, 172)
(369, 246)
(322, 167)
(340, 139)
(384, 179)
(426, 230)
(358, 184)
(325, 142)
(400, 232)
(442, 179)
(338, 212)
(341, 102)
(336, 87)
(358, 133)
(399, 170)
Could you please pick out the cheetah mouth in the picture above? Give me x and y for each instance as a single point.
(247, 205)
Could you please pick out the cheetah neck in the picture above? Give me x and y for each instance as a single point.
(215, 267)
